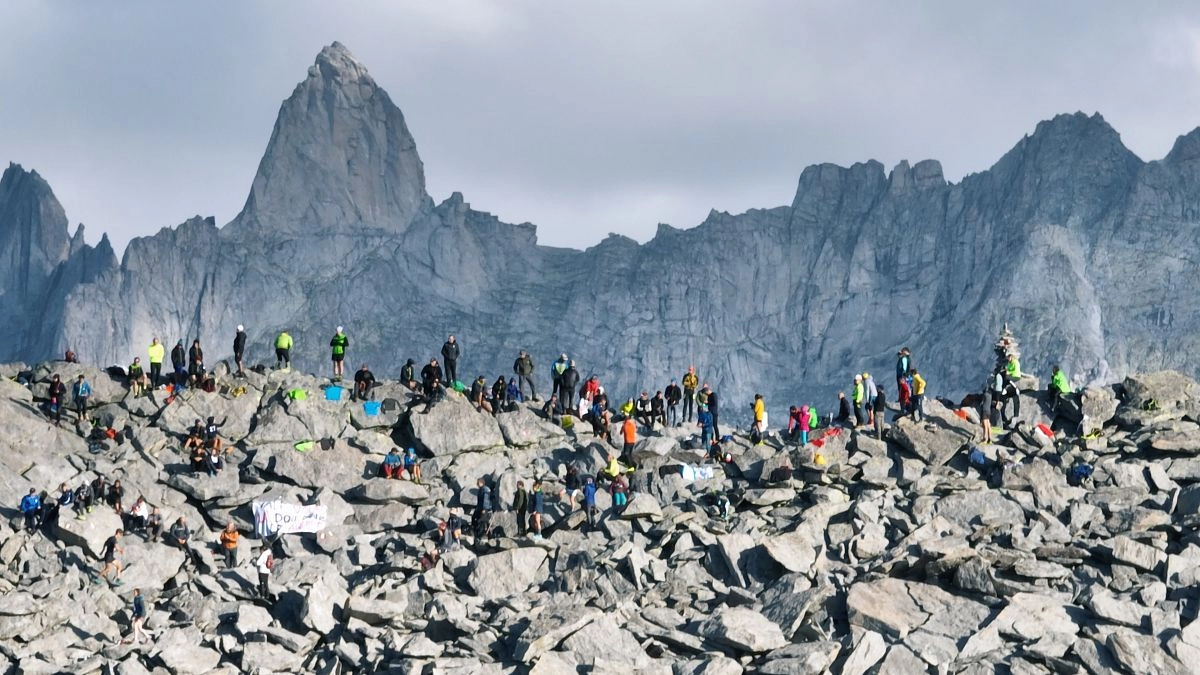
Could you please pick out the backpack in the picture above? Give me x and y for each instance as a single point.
(755, 435)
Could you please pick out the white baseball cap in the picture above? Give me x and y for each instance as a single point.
(339, 329)
(241, 328)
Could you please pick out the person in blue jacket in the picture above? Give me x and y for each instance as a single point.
(31, 506)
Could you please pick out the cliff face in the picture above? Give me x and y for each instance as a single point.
(1085, 250)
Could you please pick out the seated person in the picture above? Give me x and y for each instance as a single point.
(392, 465)
(211, 436)
(180, 533)
(513, 392)
(642, 411)
(411, 466)
(364, 381)
(479, 396)
(215, 462)
(199, 458)
(658, 409)
(138, 515)
(137, 377)
(408, 375)
(154, 524)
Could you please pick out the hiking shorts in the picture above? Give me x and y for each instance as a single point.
(338, 358)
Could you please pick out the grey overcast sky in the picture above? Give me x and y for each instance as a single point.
(582, 117)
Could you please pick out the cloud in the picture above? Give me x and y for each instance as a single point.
(583, 118)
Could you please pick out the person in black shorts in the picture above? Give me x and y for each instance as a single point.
(112, 548)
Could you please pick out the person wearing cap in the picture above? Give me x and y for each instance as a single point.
(556, 370)
(408, 374)
(857, 397)
(364, 380)
(903, 364)
(239, 350)
(338, 346)
(411, 466)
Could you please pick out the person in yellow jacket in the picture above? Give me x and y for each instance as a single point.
(760, 412)
(918, 394)
(283, 350)
(1013, 368)
(690, 382)
(155, 352)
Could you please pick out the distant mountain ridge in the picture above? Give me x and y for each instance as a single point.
(1084, 249)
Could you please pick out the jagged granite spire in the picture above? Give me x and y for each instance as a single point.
(33, 235)
(340, 156)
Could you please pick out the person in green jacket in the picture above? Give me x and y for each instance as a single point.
(1059, 387)
(858, 398)
(283, 351)
(338, 344)
(1013, 369)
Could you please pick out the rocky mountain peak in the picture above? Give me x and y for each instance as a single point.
(340, 157)
(33, 233)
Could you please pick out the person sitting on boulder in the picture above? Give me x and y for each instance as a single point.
(550, 409)
(611, 469)
(154, 524)
(70, 357)
(431, 384)
(215, 462)
(619, 490)
(478, 398)
(481, 518)
(408, 376)
(444, 537)
(364, 381)
(195, 364)
(195, 437)
(512, 393)
(198, 457)
(116, 497)
(99, 490)
(392, 465)
(137, 377)
(82, 503)
(499, 387)
(1059, 387)
(454, 524)
(627, 409)
(135, 520)
(412, 466)
(180, 534)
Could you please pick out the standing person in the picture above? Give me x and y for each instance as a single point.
(858, 396)
(112, 548)
(58, 398)
(556, 370)
(918, 394)
(987, 409)
(674, 394)
(760, 411)
(155, 353)
(714, 410)
(629, 436)
(31, 507)
(1059, 387)
(619, 490)
(539, 506)
(589, 499)
(83, 501)
(229, 544)
(879, 408)
(523, 369)
(195, 363)
(704, 421)
(239, 350)
(81, 392)
(903, 364)
(283, 351)
(179, 363)
(138, 619)
(805, 424)
(871, 391)
(690, 382)
(337, 347)
(450, 354)
(265, 563)
(521, 506)
(569, 380)
(481, 518)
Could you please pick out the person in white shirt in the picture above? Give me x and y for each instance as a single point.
(265, 563)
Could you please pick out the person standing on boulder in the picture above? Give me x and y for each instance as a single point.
(283, 351)
(1059, 387)
(987, 409)
(858, 397)
(704, 421)
(871, 391)
(81, 393)
(589, 499)
(714, 410)
(556, 370)
(569, 381)
(539, 506)
(629, 436)
(523, 369)
(337, 346)
(179, 363)
(690, 382)
(760, 412)
(239, 350)
(58, 398)
(521, 506)
(229, 544)
(918, 394)
(481, 518)
(112, 548)
(450, 354)
(674, 394)
(879, 408)
(155, 354)
(137, 619)
(265, 564)
(903, 364)
(136, 377)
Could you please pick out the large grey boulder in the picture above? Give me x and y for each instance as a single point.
(511, 572)
(453, 426)
(743, 630)
(937, 438)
